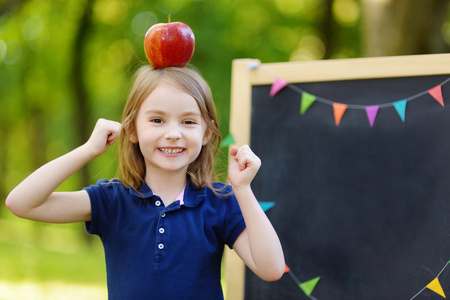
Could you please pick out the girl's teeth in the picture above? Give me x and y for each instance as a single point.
(171, 151)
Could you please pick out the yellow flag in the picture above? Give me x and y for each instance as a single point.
(436, 287)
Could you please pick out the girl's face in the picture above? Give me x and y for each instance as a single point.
(170, 130)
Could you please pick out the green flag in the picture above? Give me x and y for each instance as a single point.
(307, 100)
(227, 141)
(308, 286)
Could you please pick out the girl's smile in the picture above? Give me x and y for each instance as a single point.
(171, 151)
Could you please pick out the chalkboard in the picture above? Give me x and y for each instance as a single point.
(365, 208)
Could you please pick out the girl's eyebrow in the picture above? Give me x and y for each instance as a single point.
(154, 111)
(161, 112)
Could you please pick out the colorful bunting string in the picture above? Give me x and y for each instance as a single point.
(434, 285)
(339, 109)
(307, 287)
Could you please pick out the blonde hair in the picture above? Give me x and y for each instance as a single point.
(131, 162)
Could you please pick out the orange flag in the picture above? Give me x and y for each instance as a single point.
(339, 110)
(286, 269)
(436, 287)
(436, 92)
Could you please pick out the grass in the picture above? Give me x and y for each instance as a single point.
(48, 261)
(50, 291)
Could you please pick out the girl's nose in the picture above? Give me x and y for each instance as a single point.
(173, 132)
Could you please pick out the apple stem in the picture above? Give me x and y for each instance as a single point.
(168, 17)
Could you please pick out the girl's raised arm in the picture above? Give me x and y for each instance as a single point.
(35, 197)
(258, 245)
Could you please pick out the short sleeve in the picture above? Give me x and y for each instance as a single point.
(100, 207)
(232, 221)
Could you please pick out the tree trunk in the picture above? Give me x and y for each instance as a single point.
(81, 113)
(403, 27)
(328, 28)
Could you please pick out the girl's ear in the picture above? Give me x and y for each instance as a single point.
(132, 137)
(207, 136)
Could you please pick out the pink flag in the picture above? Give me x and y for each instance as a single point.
(436, 92)
(372, 112)
(277, 86)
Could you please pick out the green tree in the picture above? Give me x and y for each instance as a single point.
(63, 64)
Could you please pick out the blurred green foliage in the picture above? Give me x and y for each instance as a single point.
(65, 63)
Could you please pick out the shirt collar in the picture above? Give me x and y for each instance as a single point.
(143, 192)
(191, 197)
(180, 197)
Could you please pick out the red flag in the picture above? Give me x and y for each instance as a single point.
(436, 92)
(286, 269)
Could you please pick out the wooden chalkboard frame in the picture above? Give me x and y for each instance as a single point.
(251, 72)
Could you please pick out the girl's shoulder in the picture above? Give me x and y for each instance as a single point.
(221, 185)
(221, 189)
(116, 186)
(105, 187)
(109, 182)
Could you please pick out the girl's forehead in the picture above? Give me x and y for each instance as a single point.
(168, 96)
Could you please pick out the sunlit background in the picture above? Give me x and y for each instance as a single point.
(65, 63)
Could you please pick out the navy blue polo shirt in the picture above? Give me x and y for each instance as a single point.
(158, 252)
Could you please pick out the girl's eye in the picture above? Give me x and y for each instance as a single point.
(156, 120)
(190, 122)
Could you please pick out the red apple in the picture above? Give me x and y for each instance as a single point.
(169, 44)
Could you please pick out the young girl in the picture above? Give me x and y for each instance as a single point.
(163, 223)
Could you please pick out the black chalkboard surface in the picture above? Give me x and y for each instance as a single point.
(365, 208)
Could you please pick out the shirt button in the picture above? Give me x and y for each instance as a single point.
(163, 215)
(161, 246)
(161, 230)
(157, 203)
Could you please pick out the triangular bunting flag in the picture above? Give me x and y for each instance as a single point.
(436, 92)
(277, 86)
(339, 110)
(286, 269)
(307, 100)
(308, 286)
(372, 112)
(436, 287)
(227, 141)
(400, 107)
(266, 205)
